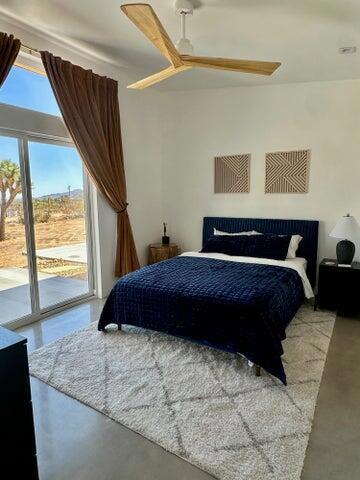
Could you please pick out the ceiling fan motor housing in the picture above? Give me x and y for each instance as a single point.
(184, 6)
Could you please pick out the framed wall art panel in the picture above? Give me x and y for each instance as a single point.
(232, 174)
(287, 172)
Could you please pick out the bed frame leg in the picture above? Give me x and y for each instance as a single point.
(252, 365)
(103, 329)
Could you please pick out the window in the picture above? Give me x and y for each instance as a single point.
(45, 231)
(29, 90)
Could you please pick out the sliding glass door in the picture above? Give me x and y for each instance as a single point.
(57, 188)
(45, 239)
(15, 297)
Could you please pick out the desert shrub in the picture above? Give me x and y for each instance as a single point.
(42, 217)
(61, 207)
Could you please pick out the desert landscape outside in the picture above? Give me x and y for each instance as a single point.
(59, 221)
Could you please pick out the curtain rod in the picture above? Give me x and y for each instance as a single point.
(19, 62)
(32, 51)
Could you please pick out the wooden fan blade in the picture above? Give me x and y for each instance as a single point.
(158, 77)
(144, 17)
(245, 66)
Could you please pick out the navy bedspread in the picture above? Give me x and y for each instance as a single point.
(234, 306)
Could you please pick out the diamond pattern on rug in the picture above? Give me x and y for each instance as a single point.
(287, 454)
(199, 431)
(283, 419)
(204, 405)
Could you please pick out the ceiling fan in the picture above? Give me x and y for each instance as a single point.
(181, 58)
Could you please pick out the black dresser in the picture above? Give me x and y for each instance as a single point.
(339, 287)
(18, 450)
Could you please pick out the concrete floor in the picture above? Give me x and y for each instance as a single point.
(75, 442)
(334, 447)
(15, 297)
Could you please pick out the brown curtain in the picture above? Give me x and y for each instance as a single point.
(90, 108)
(9, 48)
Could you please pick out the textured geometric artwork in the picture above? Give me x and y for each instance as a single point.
(232, 174)
(287, 172)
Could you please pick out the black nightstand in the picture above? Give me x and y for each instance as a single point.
(339, 287)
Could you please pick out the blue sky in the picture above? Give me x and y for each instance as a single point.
(29, 90)
(53, 168)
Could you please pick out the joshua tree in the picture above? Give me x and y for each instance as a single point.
(10, 186)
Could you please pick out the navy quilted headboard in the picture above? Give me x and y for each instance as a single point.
(308, 229)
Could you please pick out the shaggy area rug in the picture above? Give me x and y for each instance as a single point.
(201, 404)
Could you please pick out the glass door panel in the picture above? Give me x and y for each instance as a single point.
(59, 218)
(15, 294)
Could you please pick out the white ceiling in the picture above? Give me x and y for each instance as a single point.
(304, 35)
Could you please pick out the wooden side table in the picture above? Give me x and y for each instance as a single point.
(159, 252)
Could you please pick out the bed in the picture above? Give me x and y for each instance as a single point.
(236, 304)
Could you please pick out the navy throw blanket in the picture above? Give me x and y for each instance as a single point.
(237, 307)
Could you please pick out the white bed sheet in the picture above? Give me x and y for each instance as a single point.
(298, 264)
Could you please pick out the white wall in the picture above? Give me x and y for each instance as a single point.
(199, 125)
(170, 139)
(140, 121)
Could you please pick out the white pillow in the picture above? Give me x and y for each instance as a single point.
(293, 245)
(251, 232)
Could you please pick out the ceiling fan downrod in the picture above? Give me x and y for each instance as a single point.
(183, 8)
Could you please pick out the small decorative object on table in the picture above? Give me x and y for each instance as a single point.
(165, 238)
(159, 252)
(348, 229)
(338, 288)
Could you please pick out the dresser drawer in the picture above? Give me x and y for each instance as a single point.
(17, 425)
(14, 374)
(18, 447)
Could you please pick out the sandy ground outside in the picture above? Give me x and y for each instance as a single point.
(55, 233)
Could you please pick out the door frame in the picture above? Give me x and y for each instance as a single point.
(37, 313)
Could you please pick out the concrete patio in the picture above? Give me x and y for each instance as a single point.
(71, 253)
(15, 297)
(15, 300)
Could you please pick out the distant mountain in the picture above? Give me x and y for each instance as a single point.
(77, 193)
